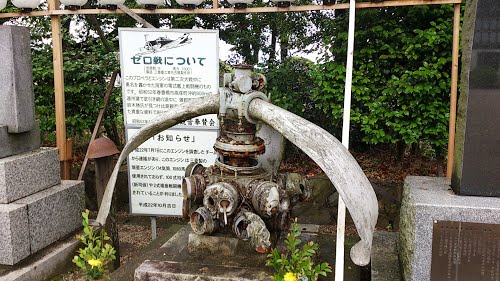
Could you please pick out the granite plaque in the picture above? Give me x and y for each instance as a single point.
(463, 251)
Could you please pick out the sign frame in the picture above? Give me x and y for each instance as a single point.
(178, 127)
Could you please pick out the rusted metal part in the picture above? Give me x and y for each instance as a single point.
(297, 186)
(258, 233)
(259, 81)
(266, 198)
(238, 147)
(233, 149)
(194, 169)
(193, 187)
(240, 225)
(102, 147)
(238, 184)
(222, 200)
(202, 222)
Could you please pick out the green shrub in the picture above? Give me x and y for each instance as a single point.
(297, 263)
(97, 252)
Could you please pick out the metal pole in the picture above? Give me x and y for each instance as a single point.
(153, 228)
(339, 254)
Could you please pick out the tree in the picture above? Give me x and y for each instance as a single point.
(401, 83)
(267, 38)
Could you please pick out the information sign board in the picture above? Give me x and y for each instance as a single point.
(162, 68)
(156, 168)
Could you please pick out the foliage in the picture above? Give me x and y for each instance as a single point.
(291, 84)
(297, 263)
(87, 67)
(267, 38)
(401, 80)
(97, 254)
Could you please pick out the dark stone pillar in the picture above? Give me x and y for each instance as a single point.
(476, 169)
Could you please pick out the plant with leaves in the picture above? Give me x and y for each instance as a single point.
(297, 263)
(97, 252)
(401, 75)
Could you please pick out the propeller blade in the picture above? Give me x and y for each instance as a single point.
(181, 113)
(338, 164)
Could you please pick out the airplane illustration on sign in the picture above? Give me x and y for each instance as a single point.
(163, 43)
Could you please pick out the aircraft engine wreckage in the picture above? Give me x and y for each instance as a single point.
(236, 193)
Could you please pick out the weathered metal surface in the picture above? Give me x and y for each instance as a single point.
(202, 222)
(276, 199)
(463, 251)
(101, 147)
(258, 233)
(337, 163)
(184, 112)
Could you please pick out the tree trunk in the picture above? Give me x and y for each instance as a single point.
(283, 47)
(272, 53)
(439, 160)
(94, 22)
(400, 150)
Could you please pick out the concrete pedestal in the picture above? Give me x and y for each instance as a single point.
(190, 257)
(427, 200)
(28, 173)
(34, 222)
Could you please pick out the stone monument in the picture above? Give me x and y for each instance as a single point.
(453, 232)
(36, 207)
(476, 169)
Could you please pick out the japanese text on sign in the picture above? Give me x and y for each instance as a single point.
(162, 69)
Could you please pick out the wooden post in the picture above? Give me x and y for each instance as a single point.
(57, 58)
(453, 96)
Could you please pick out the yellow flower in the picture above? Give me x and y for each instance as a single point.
(94, 263)
(290, 276)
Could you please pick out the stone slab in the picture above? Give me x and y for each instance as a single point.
(45, 264)
(430, 199)
(173, 261)
(53, 213)
(14, 233)
(214, 245)
(17, 103)
(26, 174)
(178, 271)
(13, 144)
(385, 262)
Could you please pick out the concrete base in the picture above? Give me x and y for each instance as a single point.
(214, 245)
(385, 262)
(43, 265)
(428, 199)
(173, 261)
(34, 222)
(12, 144)
(28, 173)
